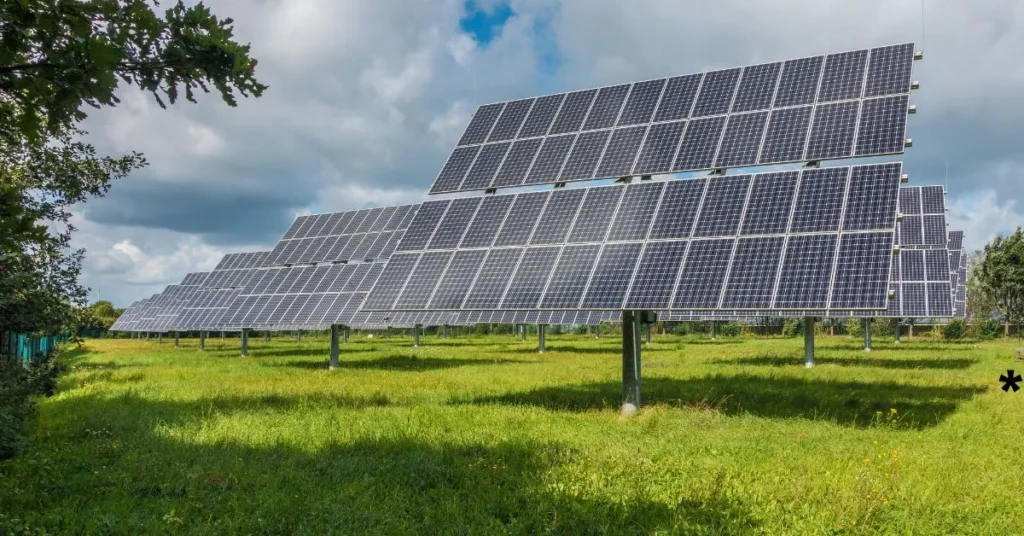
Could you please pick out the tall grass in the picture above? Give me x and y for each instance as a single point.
(483, 435)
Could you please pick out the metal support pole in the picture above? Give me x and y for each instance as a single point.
(245, 342)
(649, 327)
(202, 341)
(541, 331)
(160, 337)
(522, 329)
(345, 335)
(416, 336)
(896, 330)
(630, 363)
(266, 336)
(867, 334)
(334, 347)
(444, 331)
(809, 341)
(222, 334)
(298, 336)
(177, 340)
(714, 330)
(147, 336)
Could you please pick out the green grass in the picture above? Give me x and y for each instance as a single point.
(482, 436)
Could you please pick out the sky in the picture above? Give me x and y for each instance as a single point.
(367, 98)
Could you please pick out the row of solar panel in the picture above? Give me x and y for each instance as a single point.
(241, 261)
(849, 75)
(744, 273)
(369, 220)
(314, 279)
(814, 200)
(344, 248)
(826, 131)
(221, 279)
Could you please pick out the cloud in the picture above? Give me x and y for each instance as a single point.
(982, 216)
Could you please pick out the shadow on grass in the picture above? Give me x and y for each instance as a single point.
(877, 362)
(389, 485)
(847, 403)
(398, 363)
(710, 342)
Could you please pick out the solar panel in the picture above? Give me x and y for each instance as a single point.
(924, 220)
(815, 239)
(836, 106)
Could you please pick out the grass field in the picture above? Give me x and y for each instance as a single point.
(482, 436)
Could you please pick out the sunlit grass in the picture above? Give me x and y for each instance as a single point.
(484, 435)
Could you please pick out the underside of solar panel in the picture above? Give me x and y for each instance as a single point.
(851, 104)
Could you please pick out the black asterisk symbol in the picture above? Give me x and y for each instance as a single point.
(1010, 381)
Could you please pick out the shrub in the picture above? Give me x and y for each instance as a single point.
(853, 327)
(18, 387)
(681, 329)
(792, 327)
(988, 328)
(729, 329)
(953, 330)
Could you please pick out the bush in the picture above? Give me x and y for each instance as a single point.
(681, 329)
(990, 328)
(953, 330)
(792, 327)
(853, 327)
(729, 329)
(18, 387)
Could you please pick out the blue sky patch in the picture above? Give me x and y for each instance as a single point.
(484, 23)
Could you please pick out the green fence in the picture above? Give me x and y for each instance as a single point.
(23, 347)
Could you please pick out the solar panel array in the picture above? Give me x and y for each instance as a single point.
(811, 239)
(358, 235)
(924, 217)
(823, 107)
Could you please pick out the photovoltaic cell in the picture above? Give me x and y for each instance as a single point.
(806, 272)
(422, 227)
(862, 271)
(452, 288)
(558, 217)
(771, 201)
(455, 169)
(494, 276)
(678, 97)
(872, 199)
(742, 140)
(570, 276)
(940, 300)
(832, 131)
(723, 206)
(700, 142)
(889, 70)
(548, 163)
(607, 106)
(716, 92)
(883, 125)
(584, 155)
(593, 219)
(703, 274)
(480, 126)
(636, 210)
(786, 136)
(420, 286)
(511, 120)
(910, 200)
(656, 275)
(678, 209)
(539, 119)
(517, 162)
(391, 281)
(530, 278)
(819, 203)
(757, 87)
(612, 273)
(521, 219)
(798, 83)
(843, 77)
(933, 199)
(487, 221)
(574, 110)
(641, 102)
(911, 231)
(454, 224)
(934, 228)
(754, 269)
(659, 149)
(936, 265)
(912, 265)
(621, 152)
(482, 172)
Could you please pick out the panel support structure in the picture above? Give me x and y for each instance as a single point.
(896, 330)
(266, 336)
(714, 330)
(298, 336)
(809, 341)
(345, 335)
(334, 362)
(542, 330)
(160, 337)
(416, 336)
(522, 331)
(245, 342)
(202, 341)
(867, 334)
(630, 362)
(177, 340)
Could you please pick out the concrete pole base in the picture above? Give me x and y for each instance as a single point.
(628, 409)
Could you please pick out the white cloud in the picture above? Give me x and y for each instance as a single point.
(982, 216)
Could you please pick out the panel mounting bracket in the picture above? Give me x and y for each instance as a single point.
(490, 191)
(919, 55)
(717, 171)
(624, 180)
(813, 164)
(645, 177)
(559, 185)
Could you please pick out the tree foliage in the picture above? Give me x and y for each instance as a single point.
(58, 58)
(1001, 275)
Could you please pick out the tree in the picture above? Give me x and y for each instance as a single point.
(58, 57)
(1001, 275)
